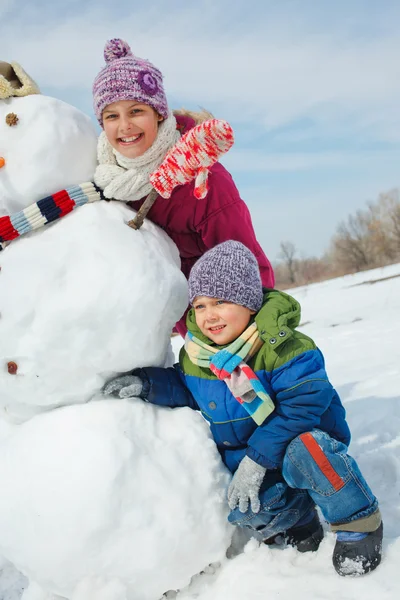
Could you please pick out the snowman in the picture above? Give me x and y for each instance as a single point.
(100, 498)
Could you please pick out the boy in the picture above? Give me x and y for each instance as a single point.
(277, 421)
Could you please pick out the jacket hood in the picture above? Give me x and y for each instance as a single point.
(184, 123)
(276, 319)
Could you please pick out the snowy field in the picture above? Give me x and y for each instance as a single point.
(355, 321)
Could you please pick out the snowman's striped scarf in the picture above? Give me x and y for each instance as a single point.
(46, 210)
(229, 365)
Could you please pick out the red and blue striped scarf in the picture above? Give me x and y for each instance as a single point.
(229, 365)
(46, 210)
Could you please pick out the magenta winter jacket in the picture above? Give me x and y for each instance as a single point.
(198, 225)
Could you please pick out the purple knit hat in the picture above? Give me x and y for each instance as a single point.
(230, 272)
(127, 77)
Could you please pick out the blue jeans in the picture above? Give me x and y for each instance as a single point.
(316, 471)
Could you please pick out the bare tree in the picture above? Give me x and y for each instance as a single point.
(389, 207)
(367, 238)
(311, 269)
(352, 243)
(287, 254)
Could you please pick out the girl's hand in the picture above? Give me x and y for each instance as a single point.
(192, 157)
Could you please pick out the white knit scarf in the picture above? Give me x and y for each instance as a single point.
(127, 179)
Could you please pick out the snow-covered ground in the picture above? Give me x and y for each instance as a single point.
(355, 322)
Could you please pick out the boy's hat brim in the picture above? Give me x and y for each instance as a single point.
(15, 82)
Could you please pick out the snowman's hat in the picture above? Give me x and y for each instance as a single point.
(14, 81)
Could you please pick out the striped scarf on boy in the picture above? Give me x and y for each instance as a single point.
(229, 365)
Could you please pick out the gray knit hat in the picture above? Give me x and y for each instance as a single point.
(229, 272)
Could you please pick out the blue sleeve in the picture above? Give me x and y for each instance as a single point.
(302, 393)
(165, 387)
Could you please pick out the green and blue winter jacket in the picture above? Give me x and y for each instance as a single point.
(292, 371)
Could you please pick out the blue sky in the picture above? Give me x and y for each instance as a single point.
(311, 88)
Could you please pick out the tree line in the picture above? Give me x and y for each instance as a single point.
(366, 239)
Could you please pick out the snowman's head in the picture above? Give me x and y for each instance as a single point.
(45, 145)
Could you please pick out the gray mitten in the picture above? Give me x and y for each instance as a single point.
(124, 386)
(245, 486)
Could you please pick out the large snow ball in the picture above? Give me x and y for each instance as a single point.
(52, 145)
(81, 300)
(121, 492)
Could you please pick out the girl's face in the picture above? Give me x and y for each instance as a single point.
(130, 127)
(219, 320)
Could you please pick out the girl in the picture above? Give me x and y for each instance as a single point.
(138, 131)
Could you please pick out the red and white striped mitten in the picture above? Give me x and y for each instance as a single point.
(191, 158)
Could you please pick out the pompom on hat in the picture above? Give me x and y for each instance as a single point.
(228, 271)
(127, 77)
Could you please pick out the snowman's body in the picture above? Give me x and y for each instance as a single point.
(81, 300)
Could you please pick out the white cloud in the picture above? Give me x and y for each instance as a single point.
(253, 161)
(5, 7)
(271, 71)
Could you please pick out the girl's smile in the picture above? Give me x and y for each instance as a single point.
(131, 140)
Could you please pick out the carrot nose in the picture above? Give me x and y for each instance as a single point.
(2, 161)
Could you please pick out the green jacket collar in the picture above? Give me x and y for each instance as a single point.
(276, 319)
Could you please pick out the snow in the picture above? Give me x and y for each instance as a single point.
(52, 146)
(98, 498)
(81, 300)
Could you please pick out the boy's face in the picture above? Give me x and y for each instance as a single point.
(219, 320)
